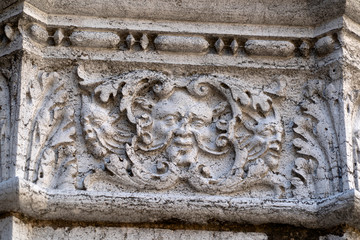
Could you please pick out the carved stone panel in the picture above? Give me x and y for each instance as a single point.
(114, 115)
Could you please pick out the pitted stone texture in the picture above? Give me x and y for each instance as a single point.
(350, 234)
(111, 233)
(325, 45)
(94, 39)
(181, 44)
(38, 33)
(6, 227)
(257, 12)
(269, 48)
(12, 228)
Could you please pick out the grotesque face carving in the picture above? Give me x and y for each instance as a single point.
(188, 120)
(265, 142)
(96, 123)
(183, 124)
(271, 133)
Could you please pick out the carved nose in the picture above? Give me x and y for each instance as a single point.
(275, 144)
(183, 130)
(278, 137)
(89, 132)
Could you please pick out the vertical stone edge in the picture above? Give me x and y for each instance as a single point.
(10, 76)
(350, 73)
(9, 82)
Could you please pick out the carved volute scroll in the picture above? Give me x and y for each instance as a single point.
(152, 132)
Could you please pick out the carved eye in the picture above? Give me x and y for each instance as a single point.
(267, 132)
(198, 123)
(170, 120)
(98, 121)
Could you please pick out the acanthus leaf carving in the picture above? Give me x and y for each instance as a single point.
(51, 159)
(152, 132)
(316, 173)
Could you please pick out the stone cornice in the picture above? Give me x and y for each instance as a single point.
(118, 22)
(279, 12)
(24, 197)
(308, 22)
(224, 39)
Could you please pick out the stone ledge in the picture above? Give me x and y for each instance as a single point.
(42, 204)
(259, 12)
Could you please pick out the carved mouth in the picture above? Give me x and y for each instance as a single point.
(183, 141)
(275, 146)
(274, 153)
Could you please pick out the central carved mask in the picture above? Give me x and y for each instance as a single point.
(183, 125)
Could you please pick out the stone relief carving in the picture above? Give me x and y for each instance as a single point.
(317, 172)
(152, 131)
(50, 157)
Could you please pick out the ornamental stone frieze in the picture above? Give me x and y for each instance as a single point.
(237, 118)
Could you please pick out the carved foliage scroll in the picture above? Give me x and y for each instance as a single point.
(153, 132)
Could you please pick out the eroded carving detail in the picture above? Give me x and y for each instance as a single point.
(152, 131)
(50, 159)
(317, 172)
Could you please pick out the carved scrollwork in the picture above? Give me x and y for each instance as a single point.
(152, 132)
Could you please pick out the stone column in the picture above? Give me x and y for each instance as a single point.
(179, 119)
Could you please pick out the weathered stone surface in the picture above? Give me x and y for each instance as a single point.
(38, 33)
(6, 228)
(325, 45)
(295, 13)
(58, 36)
(201, 113)
(94, 39)
(13, 228)
(269, 48)
(180, 44)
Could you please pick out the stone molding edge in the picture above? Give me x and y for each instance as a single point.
(89, 32)
(142, 41)
(21, 196)
(226, 30)
(182, 27)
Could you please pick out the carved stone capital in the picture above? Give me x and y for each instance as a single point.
(244, 112)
